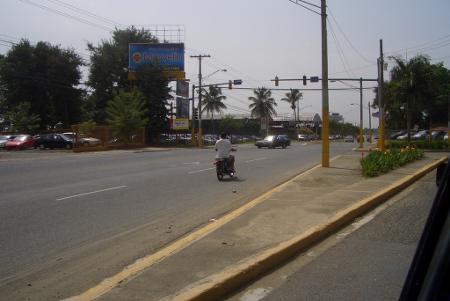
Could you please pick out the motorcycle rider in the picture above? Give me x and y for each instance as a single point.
(223, 148)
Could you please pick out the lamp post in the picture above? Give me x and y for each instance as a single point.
(200, 78)
(298, 118)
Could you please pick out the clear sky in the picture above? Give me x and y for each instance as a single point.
(255, 40)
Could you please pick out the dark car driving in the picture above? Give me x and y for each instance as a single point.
(273, 141)
(52, 141)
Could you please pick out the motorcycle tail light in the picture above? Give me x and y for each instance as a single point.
(216, 163)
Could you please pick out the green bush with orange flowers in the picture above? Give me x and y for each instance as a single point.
(377, 162)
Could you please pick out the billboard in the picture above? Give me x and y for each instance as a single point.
(182, 108)
(179, 124)
(182, 88)
(169, 56)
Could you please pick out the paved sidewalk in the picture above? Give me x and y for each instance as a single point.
(269, 230)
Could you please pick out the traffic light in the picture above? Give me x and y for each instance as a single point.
(304, 80)
(276, 81)
(196, 113)
(230, 85)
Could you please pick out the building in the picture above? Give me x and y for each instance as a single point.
(336, 117)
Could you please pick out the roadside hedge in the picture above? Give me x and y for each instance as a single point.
(377, 162)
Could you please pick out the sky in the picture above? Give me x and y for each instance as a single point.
(254, 40)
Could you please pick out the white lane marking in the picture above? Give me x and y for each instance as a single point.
(87, 193)
(191, 172)
(255, 160)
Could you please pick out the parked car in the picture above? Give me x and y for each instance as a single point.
(273, 141)
(438, 135)
(420, 135)
(349, 138)
(84, 141)
(20, 142)
(303, 137)
(314, 137)
(52, 141)
(405, 136)
(394, 136)
(4, 139)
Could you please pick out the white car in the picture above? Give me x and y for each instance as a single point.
(420, 135)
(303, 137)
(349, 138)
(84, 141)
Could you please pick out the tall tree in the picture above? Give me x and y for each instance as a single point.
(439, 112)
(154, 85)
(212, 101)
(412, 82)
(109, 66)
(22, 120)
(263, 104)
(45, 76)
(127, 110)
(293, 98)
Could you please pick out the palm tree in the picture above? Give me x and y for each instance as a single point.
(293, 97)
(212, 102)
(412, 81)
(263, 104)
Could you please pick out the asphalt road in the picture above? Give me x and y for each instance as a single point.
(76, 219)
(367, 260)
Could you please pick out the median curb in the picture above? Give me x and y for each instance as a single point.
(254, 266)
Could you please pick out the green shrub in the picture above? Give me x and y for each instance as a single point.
(377, 162)
(424, 144)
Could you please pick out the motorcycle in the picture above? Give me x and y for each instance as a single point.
(223, 168)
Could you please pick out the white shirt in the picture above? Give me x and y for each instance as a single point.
(223, 148)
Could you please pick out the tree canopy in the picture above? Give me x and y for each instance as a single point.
(212, 100)
(263, 104)
(127, 110)
(47, 78)
(416, 93)
(109, 66)
(109, 72)
(293, 98)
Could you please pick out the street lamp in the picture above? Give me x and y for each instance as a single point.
(199, 107)
(208, 76)
(298, 118)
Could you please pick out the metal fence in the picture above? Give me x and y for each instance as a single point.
(91, 138)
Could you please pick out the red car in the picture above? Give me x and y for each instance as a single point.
(20, 142)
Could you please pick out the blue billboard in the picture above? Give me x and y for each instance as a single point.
(169, 57)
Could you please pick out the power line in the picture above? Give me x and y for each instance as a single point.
(297, 2)
(347, 38)
(84, 12)
(339, 49)
(66, 15)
